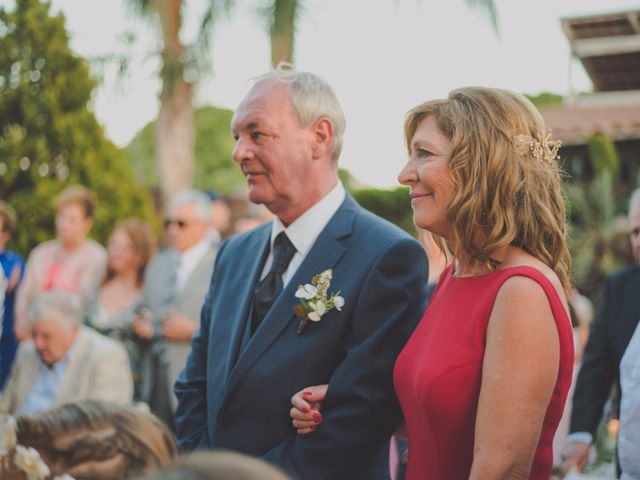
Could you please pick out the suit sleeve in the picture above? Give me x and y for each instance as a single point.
(191, 384)
(112, 380)
(598, 370)
(360, 411)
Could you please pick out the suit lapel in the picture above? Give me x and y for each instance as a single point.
(28, 375)
(196, 276)
(325, 253)
(250, 271)
(72, 373)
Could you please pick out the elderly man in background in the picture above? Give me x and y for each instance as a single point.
(610, 334)
(176, 282)
(64, 361)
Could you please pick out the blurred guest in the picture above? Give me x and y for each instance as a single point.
(65, 361)
(175, 285)
(220, 214)
(581, 312)
(219, 465)
(11, 274)
(71, 262)
(612, 330)
(118, 299)
(86, 440)
(254, 216)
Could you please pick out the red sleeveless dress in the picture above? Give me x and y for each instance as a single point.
(437, 375)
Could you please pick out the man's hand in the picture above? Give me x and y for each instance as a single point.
(574, 455)
(142, 325)
(178, 327)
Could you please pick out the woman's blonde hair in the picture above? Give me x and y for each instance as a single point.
(98, 440)
(507, 181)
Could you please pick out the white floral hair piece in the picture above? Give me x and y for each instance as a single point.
(542, 147)
(25, 459)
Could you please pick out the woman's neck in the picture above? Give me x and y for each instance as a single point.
(463, 265)
(71, 246)
(128, 277)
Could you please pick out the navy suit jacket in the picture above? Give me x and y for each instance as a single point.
(610, 334)
(240, 399)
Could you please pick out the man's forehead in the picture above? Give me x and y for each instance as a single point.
(264, 100)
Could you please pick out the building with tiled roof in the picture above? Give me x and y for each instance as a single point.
(608, 46)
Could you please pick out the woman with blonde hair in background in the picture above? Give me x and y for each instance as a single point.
(85, 440)
(483, 380)
(219, 465)
(71, 262)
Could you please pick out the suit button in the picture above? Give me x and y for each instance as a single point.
(223, 421)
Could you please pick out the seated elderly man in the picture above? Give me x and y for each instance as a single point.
(64, 361)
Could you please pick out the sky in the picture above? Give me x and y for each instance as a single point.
(381, 56)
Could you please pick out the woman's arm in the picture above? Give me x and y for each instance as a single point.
(520, 369)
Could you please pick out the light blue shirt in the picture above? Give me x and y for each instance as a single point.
(629, 437)
(45, 389)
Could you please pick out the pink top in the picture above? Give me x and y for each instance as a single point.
(80, 273)
(438, 375)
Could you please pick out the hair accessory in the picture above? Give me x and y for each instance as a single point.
(25, 459)
(543, 148)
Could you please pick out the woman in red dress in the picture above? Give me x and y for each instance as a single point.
(484, 378)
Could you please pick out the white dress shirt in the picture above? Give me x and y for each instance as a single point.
(304, 232)
(629, 437)
(45, 389)
(189, 260)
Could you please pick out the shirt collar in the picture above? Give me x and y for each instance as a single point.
(306, 228)
(195, 253)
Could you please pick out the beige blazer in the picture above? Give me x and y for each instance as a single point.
(98, 369)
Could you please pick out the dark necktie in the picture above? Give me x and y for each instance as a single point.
(270, 286)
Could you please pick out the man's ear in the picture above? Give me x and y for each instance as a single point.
(322, 137)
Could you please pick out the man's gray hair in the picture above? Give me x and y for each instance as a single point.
(312, 98)
(198, 199)
(58, 304)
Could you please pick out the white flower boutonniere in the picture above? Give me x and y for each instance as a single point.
(314, 300)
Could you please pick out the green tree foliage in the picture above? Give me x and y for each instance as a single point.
(214, 167)
(602, 152)
(394, 205)
(597, 237)
(545, 99)
(48, 137)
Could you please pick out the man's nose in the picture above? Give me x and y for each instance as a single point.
(241, 151)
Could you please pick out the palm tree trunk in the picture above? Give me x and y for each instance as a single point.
(283, 31)
(174, 127)
(175, 140)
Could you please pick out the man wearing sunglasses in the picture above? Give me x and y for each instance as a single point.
(176, 283)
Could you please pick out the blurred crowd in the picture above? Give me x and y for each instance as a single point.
(90, 323)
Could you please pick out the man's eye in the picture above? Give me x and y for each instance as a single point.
(255, 136)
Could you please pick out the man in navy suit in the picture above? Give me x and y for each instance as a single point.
(250, 355)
